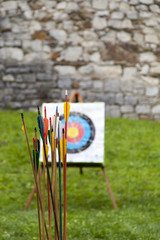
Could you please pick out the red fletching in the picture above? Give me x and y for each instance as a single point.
(33, 140)
(46, 126)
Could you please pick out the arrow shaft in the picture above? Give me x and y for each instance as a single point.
(60, 197)
(65, 172)
(50, 186)
(35, 177)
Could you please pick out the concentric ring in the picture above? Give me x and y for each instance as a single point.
(84, 133)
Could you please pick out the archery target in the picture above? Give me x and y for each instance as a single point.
(85, 130)
(80, 132)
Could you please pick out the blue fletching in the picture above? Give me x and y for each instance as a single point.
(40, 125)
(56, 108)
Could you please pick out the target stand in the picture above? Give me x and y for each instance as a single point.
(84, 136)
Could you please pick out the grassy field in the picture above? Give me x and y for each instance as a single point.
(132, 158)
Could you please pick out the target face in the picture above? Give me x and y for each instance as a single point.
(80, 132)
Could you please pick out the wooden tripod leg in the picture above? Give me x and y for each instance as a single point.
(31, 195)
(109, 188)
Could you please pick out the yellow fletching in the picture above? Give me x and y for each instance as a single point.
(23, 128)
(63, 151)
(52, 140)
(68, 109)
(44, 160)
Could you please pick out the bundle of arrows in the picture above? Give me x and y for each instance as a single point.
(51, 133)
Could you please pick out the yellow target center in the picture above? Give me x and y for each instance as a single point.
(72, 132)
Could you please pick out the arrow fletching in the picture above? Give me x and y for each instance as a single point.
(44, 160)
(66, 110)
(36, 160)
(40, 124)
(46, 126)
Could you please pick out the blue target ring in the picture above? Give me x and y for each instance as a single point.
(85, 132)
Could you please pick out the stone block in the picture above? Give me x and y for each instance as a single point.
(72, 53)
(65, 70)
(87, 69)
(23, 6)
(139, 38)
(29, 77)
(19, 78)
(8, 78)
(108, 71)
(119, 99)
(2, 68)
(99, 4)
(134, 2)
(117, 15)
(133, 15)
(9, 5)
(143, 109)
(64, 82)
(110, 99)
(130, 100)
(109, 37)
(95, 57)
(68, 26)
(129, 72)
(113, 111)
(59, 17)
(11, 53)
(112, 86)
(97, 84)
(127, 109)
(124, 6)
(123, 36)
(99, 23)
(147, 2)
(75, 39)
(59, 35)
(155, 69)
(113, 5)
(152, 91)
(147, 57)
(152, 38)
(156, 109)
(36, 45)
(150, 80)
(145, 69)
(126, 24)
(86, 84)
(34, 26)
(89, 35)
(61, 5)
(126, 86)
(154, 8)
(72, 6)
(115, 24)
(130, 115)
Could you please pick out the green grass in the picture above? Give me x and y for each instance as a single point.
(132, 158)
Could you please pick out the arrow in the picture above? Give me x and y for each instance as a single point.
(51, 141)
(55, 125)
(36, 165)
(66, 116)
(35, 177)
(46, 126)
(60, 190)
(40, 124)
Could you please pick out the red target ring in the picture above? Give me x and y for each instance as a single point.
(75, 132)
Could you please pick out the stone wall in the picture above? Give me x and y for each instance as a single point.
(107, 49)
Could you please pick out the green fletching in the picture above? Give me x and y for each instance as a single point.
(37, 159)
(49, 135)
